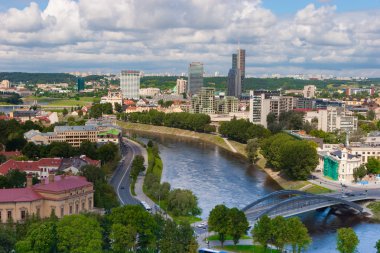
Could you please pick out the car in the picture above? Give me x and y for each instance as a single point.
(350, 194)
(122, 187)
(344, 196)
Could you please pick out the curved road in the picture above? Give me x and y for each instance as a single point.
(120, 180)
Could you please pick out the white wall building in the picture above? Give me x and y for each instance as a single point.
(309, 91)
(130, 84)
(340, 165)
(149, 92)
(181, 86)
(333, 118)
(113, 98)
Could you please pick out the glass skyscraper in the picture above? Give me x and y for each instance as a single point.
(130, 84)
(236, 74)
(195, 79)
(80, 84)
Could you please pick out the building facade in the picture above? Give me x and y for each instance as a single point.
(112, 98)
(130, 84)
(80, 84)
(203, 101)
(149, 92)
(181, 86)
(195, 78)
(340, 165)
(334, 118)
(63, 195)
(309, 91)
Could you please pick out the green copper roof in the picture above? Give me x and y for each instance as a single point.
(112, 131)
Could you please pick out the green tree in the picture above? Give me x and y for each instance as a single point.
(108, 152)
(298, 159)
(31, 150)
(89, 149)
(65, 112)
(252, 149)
(360, 172)
(118, 107)
(7, 239)
(218, 222)
(281, 232)
(377, 246)
(238, 224)
(183, 203)
(123, 238)
(16, 178)
(299, 237)
(373, 165)
(371, 115)
(347, 240)
(41, 237)
(262, 232)
(79, 234)
(93, 174)
(173, 233)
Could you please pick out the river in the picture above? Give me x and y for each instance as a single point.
(217, 176)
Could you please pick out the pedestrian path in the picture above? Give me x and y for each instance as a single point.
(229, 145)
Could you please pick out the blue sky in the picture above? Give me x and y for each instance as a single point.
(335, 37)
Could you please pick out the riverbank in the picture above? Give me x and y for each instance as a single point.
(210, 138)
(239, 147)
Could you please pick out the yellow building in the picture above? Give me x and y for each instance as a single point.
(65, 195)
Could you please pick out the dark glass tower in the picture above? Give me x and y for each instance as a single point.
(195, 79)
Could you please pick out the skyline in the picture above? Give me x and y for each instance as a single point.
(309, 37)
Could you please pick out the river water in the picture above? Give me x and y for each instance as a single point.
(217, 176)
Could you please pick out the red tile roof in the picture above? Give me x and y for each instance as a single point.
(18, 195)
(62, 183)
(90, 161)
(10, 153)
(29, 165)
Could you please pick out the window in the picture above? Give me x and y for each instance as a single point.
(71, 210)
(23, 214)
(9, 214)
(83, 205)
(62, 211)
(1, 218)
(89, 204)
(76, 208)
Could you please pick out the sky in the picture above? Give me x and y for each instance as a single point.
(335, 37)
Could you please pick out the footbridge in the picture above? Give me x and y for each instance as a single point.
(291, 202)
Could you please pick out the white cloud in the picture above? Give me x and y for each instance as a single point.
(164, 35)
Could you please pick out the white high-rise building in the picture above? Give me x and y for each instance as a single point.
(181, 86)
(130, 84)
(309, 91)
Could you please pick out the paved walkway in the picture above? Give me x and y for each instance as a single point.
(229, 145)
(140, 195)
(318, 179)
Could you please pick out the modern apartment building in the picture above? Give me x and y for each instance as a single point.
(309, 91)
(262, 104)
(227, 104)
(149, 92)
(181, 86)
(63, 195)
(334, 118)
(203, 101)
(195, 78)
(130, 84)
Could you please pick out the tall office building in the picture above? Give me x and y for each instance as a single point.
(241, 65)
(234, 83)
(80, 84)
(130, 84)
(236, 74)
(195, 79)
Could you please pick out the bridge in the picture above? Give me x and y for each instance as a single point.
(291, 202)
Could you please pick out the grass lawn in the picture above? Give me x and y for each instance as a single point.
(246, 249)
(228, 237)
(316, 189)
(64, 101)
(375, 208)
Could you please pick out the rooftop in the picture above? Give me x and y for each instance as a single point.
(18, 195)
(74, 128)
(62, 183)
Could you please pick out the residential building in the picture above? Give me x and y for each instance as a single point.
(80, 84)
(44, 166)
(149, 92)
(334, 118)
(322, 103)
(309, 91)
(339, 165)
(5, 84)
(261, 105)
(130, 84)
(364, 151)
(227, 104)
(372, 139)
(304, 103)
(112, 98)
(63, 195)
(181, 86)
(23, 115)
(195, 78)
(204, 101)
(355, 91)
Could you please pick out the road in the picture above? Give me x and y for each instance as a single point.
(120, 180)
